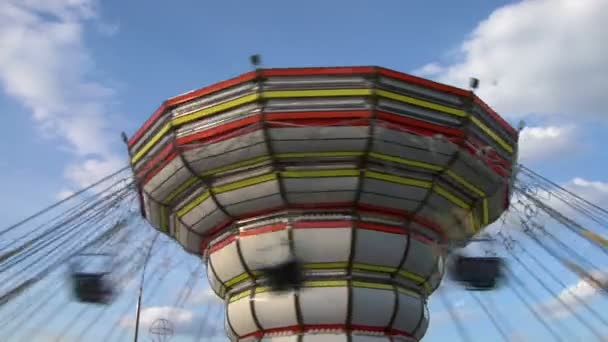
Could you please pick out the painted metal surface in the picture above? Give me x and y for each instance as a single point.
(360, 173)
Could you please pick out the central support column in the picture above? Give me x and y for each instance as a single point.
(359, 293)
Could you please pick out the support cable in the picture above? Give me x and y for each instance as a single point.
(33, 216)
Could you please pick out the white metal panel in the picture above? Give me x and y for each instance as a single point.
(248, 193)
(197, 213)
(287, 146)
(255, 205)
(395, 190)
(327, 305)
(210, 221)
(409, 314)
(291, 338)
(372, 307)
(226, 262)
(388, 202)
(421, 258)
(317, 245)
(319, 337)
(266, 249)
(321, 197)
(163, 176)
(320, 184)
(241, 317)
(424, 325)
(275, 310)
(379, 248)
(319, 132)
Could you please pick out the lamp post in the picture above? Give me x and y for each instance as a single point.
(141, 287)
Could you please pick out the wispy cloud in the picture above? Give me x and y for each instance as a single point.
(573, 296)
(182, 322)
(46, 66)
(539, 143)
(539, 57)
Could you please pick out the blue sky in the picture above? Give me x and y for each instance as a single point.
(74, 74)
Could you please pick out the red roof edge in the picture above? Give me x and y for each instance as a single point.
(496, 116)
(176, 100)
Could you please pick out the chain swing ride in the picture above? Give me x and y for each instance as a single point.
(326, 203)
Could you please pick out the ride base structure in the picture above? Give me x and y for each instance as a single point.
(360, 175)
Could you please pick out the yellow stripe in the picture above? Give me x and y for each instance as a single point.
(237, 279)
(164, 220)
(325, 265)
(411, 276)
(310, 93)
(484, 204)
(320, 173)
(492, 135)
(475, 220)
(318, 154)
(316, 93)
(225, 188)
(369, 285)
(200, 199)
(245, 183)
(374, 268)
(451, 197)
(595, 237)
(465, 183)
(177, 228)
(326, 283)
(241, 295)
(421, 103)
(191, 117)
(236, 165)
(180, 189)
(403, 161)
(341, 266)
(147, 146)
(215, 109)
(408, 292)
(398, 180)
(330, 283)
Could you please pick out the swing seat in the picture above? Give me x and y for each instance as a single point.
(477, 273)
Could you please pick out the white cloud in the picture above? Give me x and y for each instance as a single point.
(544, 142)
(541, 57)
(204, 296)
(573, 295)
(593, 191)
(63, 194)
(183, 322)
(45, 65)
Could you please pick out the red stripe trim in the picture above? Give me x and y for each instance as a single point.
(159, 168)
(344, 114)
(223, 243)
(381, 228)
(343, 224)
(294, 329)
(176, 100)
(154, 161)
(179, 99)
(423, 82)
(425, 126)
(218, 130)
(401, 214)
(323, 224)
(319, 122)
(263, 230)
(317, 71)
(140, 132)
(502, 122)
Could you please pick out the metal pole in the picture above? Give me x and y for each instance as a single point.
(141, 287)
